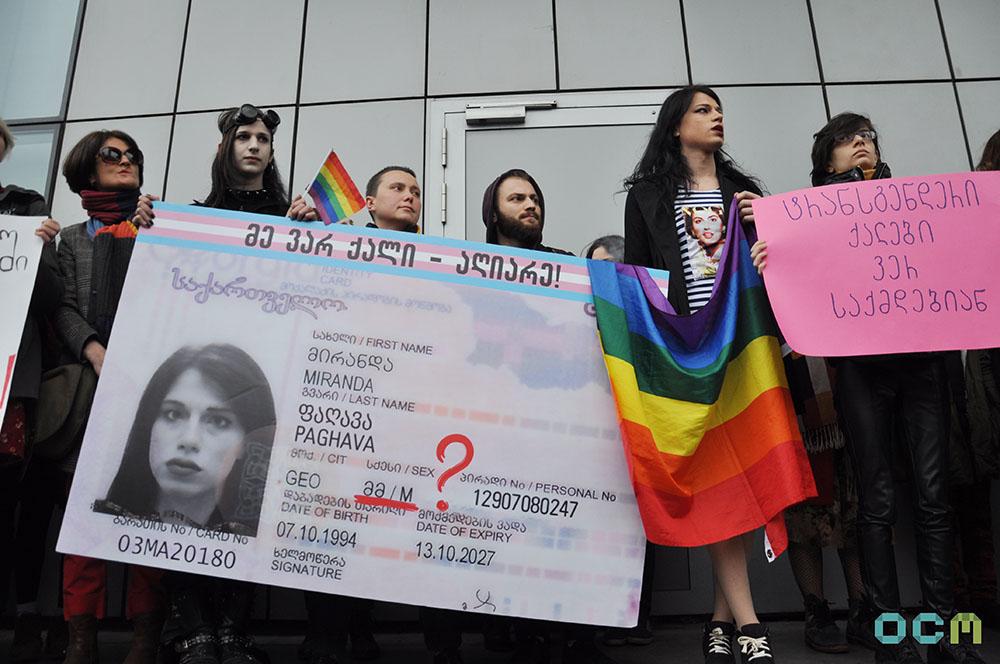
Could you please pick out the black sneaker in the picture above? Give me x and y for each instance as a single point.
(754, 645)
(943, 651)
(900, 653)
(717, 642)
(822, 633)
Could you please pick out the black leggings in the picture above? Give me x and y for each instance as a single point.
(900, 400)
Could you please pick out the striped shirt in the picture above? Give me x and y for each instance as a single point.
(701, 247)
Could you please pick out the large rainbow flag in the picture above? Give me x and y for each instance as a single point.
(710, 433)
(333, 192)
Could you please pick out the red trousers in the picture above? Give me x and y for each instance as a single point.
(85, 588)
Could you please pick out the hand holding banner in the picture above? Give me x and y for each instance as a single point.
(885, 266)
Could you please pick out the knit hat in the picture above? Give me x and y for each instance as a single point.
(490, 201)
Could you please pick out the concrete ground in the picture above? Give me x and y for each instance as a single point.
(674, 644)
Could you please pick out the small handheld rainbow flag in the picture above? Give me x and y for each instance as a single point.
(333, 192)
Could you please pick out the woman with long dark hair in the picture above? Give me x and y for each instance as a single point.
(105, 169)
(198, 449)
(209, 619)
(245, 175)
(683, 168)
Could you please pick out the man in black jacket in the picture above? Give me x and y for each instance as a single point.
(514, 214)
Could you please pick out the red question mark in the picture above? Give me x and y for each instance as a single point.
(447, 441)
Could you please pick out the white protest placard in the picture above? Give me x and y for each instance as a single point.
(20, 251)
(361, 412)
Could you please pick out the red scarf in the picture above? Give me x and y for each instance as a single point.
(110, 207)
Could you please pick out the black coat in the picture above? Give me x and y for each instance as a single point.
(651, 233)
(46, 296)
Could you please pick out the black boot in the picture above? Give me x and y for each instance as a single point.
(364, 647)
(448, 656)
(234, 604)
(200, 648)
(860, 625)
(27, 643)
(822, 633)
(945, 651)
(82, 647)
(899, 653)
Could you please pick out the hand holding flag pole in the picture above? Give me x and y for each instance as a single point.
(333, 192)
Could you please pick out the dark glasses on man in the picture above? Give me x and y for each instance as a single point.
(864, 134)
(248, 114)
(110, 155)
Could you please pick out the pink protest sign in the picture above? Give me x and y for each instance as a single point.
(885, 266)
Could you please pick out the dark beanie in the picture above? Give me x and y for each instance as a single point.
(490, 201)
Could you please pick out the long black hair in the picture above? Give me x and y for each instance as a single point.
(664, 164)
(225, 173)
(245, 389)
(990, 161)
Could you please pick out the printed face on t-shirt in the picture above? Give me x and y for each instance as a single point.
(706, 233)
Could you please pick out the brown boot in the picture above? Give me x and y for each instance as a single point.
(82, 647)
(145, 638)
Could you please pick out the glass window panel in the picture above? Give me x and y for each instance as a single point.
(36, 41)
(29, 164)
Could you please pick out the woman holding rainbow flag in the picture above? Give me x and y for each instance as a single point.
(713, 444)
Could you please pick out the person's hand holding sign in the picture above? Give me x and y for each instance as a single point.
(758, 252)
(48, 230)
(144, 214)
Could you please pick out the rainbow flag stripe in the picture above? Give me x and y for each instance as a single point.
(707, 421)
(333, 192)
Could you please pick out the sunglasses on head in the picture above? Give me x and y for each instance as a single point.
(248, 114)
(110, 155)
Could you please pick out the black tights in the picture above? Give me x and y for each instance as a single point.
(807, 566)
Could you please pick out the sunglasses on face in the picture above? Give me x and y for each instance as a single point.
(110, 155)
(864, 134)
(248, 114)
